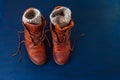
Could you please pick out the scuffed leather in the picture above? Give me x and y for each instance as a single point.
(61, 42)
(34, 41)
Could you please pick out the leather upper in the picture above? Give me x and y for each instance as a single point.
(34, 41)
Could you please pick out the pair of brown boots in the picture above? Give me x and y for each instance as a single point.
(34, 33)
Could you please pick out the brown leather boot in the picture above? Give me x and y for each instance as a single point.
(60, 26)
(34, 25)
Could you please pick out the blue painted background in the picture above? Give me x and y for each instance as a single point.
(95, 57)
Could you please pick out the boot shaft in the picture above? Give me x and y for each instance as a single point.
(33, 21)
(61, 34)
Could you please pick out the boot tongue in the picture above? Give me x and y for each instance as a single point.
(32, 20)
(33, 28)
(65, 28)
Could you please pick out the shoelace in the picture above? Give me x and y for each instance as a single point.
(38, 37)
(61, 36)
(22, 41)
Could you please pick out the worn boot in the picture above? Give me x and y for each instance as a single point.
(34, 25)
(60, 26)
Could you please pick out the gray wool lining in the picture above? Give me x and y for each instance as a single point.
(61, 16)
(32, 15)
